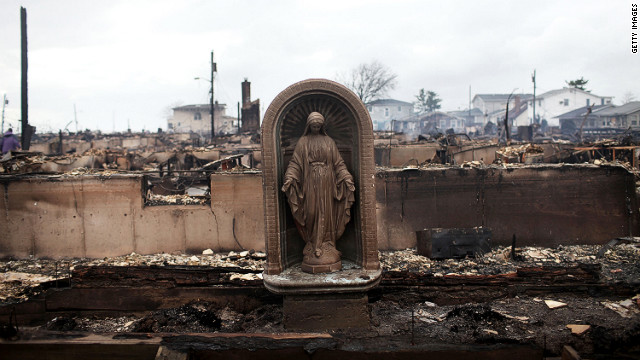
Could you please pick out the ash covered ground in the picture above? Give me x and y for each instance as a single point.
(591, 323)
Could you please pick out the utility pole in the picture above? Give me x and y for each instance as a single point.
(211, 110)
(26, 131)
(533, 79)
(75, 117)
(4, 102)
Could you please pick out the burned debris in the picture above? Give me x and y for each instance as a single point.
(448, 277)
(481, 300)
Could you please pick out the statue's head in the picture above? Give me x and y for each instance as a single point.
(315, 124)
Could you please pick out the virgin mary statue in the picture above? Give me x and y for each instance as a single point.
(320, 190)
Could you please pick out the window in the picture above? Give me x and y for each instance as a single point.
(170, 126)
(588, 101)
(634, 122)
(443, 124)
(386, 112)
(399, 108)
(197, 116)
(566, 102)
(370, 108)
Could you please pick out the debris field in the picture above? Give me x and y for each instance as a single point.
(573, 297)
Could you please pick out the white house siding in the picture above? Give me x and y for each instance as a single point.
(382, 112)
(557, 102)
(197, 119)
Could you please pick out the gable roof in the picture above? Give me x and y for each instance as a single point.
(581, 112)
(626, 109)
(501, 97)
(464, 113)
(565, 89)
(199, 107)
(383, 102)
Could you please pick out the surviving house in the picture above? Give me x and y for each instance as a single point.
(471, 117)
(492, 104)
(554, 103)
(197, 119)
(383, 111)
(622, 117)
(517, 113)
(572, 121)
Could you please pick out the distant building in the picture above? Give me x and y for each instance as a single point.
(250, 110)
(554, 103)
(471, 117)
(383, 111)
(197, 119)
(492, 105)
(431, 123)
(570, 122)
(517, 113)
(622, 117)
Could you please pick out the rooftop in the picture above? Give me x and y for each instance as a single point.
(389, 102)
(626, 109)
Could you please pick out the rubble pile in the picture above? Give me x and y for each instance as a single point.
(549, 320)
(155, 199)
(20, 163)
(526, 153)
(619, 264)
(500, 260)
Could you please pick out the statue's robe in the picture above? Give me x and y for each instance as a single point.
(320, 194)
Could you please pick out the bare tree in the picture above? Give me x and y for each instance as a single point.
(370, 81)
(628, 97)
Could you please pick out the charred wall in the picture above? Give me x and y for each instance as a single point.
(542, 205)
(97, 216)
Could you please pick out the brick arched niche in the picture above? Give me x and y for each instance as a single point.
(347, 121)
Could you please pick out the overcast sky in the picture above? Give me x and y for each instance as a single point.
(128, 62)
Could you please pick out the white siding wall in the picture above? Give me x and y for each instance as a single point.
(381, 115)
(561, 102)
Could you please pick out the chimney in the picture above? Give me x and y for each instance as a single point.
(246, 93)
(517, 104)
